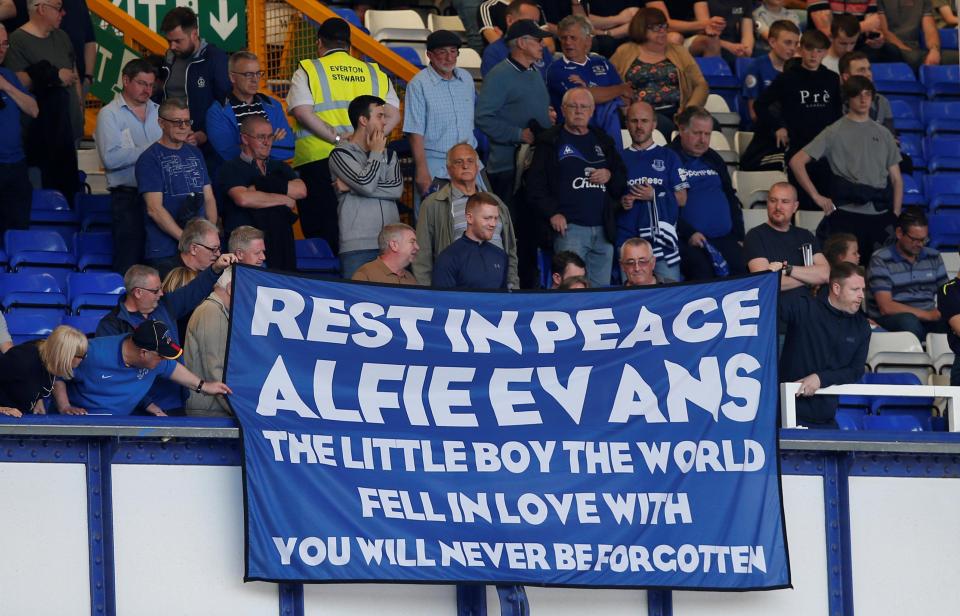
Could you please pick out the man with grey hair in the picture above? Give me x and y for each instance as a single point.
(247, 243)
(199, 244)
(43, 57)
(398, 247)
(578, 68)
(225, 116)
(205, 346)
(638, 262)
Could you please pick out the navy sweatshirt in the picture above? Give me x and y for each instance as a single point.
(466, 264)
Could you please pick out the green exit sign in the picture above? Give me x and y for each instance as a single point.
(222, 22)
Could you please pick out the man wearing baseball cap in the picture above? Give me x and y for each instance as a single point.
(438, 110)
(320, 92)
(118, 371)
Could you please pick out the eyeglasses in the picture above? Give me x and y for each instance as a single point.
(261, 138)
(657, 28)
(178, 123)
(250, 74)
(214, 249)
(144, 84)
(56, 8)
(574, 107)
(917, 240)
(154, 291)
(635, 262)
(463, 162)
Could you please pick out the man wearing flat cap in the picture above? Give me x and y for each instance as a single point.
(118, 371)
(513, 101)
(438, 113)
(320, 92)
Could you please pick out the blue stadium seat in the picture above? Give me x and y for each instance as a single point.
(86, 322)
(742, 66)
(948, 38)
(31, 324)
(941, 81)
(94, 211)
(348, 15)
(943, 153)
(93, 290)
(544, 261)
(912, 144)
(34, 290)
(913, 191)
(407, 53)
(34, 247)
(718, 74)
(93, 250)
(945, 230)
(943, 192)
(314, 255)
(905, 117)
(896, 78)
(892, 423)
(50, 207)
(850, 418)
(941, 117)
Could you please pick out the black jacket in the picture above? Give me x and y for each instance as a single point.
(715, 162)
(539, 179)
(23, 378)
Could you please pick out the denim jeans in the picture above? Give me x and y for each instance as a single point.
(591, 244)
(351, 261)
(668, 272)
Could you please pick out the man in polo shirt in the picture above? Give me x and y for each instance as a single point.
(578, 68)
(779, 246)
(472, 262)
(903, 280)
(118, 371)
(15, 189)
(398, 247)
(224, 117)
(438, 110)
(262, 192)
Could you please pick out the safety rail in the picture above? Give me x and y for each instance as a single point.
(788, 398)
(131, 28)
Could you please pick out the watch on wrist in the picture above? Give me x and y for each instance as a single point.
(199, 388)
(336, 139)
(788, 269)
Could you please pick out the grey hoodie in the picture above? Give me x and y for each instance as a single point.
(375, 185)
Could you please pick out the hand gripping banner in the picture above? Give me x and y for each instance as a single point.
(621, 438)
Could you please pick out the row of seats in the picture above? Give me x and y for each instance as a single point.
(83, 291)
(889, 413)
(902, 352)
(934, 154)
(35, 324)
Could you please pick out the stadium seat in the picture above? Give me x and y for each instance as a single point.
(86, 322)
(50, 207)
(809, 219)
(717, 73)
(905, 117)
(941, 81)
(890, 404)
(720, 109)
(453, 23)
(741, 139)
(892, 423)
(93, 290)
(94, 251)
(396, 26)
(940, 117)
(348, 15)
(912, 145)
(948, 38)
(31, 324)
(409, 54)
(896, 78)
(943, 152)
(33, 247)
(546, 268)
(898, 352)
(951, 260)
(941, 356)
(753, 218)
(752, 186)
(94, 212)
(314, 255)
(943, 192)
(913, 191)
(30, 290)
(850, 418)
(742, 66)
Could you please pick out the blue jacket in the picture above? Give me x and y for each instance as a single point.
(208, 80)
(224, 134)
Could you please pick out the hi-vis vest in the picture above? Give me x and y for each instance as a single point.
(335, 79)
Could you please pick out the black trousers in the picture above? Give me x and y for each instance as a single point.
(129, 232)
(318, 210)
(696, 264)
(872, 231)
(524, 226)
(16, 196)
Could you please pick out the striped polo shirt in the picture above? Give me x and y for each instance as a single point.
(914, 284)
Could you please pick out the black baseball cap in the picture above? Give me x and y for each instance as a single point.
(525, 27)
(155, 336)
(334, 29)
(443, 38)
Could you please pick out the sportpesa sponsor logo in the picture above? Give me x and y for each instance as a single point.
(686, 174)
(645, 180)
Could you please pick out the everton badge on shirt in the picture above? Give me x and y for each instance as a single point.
(201, 83)
(658, 165)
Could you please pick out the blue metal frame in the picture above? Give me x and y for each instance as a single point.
(834, 456)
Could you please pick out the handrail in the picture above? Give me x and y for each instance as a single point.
(360, 40)
(113, 15)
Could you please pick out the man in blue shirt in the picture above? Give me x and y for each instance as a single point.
(497, 51)
(438, 110)
(711, 222)
(651, 207)
(118, 371)
(473, 262)
(127, 126)
(578, 68)
(172, 177)
(15, 189)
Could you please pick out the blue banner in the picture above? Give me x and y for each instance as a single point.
(618, 438)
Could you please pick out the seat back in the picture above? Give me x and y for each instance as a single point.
(469, 59)
(753, 186)
(31, 324)
(944, 231)
(892, 423)
(409, 54)
(401, 18)
(453, 23)
(893, 342)
(930, 75)
(17, 241)
(348, 15)
(49, 199)
(939, 110)
(716, 104)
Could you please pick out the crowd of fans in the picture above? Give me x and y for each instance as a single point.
(195, 154)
